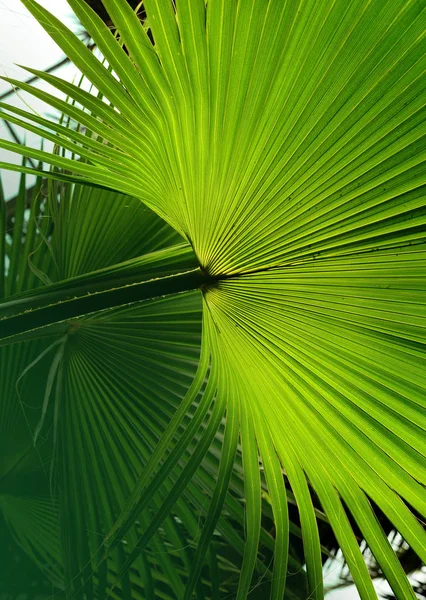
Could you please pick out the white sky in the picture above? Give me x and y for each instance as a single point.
(24, 41)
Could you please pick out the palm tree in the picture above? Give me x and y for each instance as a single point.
(283, 143)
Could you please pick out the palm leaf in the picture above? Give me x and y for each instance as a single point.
(28, 510)
(103, 376)
(286, 143)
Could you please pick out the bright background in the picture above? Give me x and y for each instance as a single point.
(24, 42)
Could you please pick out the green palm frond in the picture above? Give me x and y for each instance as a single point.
(28, 512)
(285, 143)
(109, 385)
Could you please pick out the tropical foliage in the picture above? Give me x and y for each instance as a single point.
(112, 381)
(252, 334)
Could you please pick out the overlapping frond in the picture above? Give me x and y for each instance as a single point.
(109, 406)
(28, 511)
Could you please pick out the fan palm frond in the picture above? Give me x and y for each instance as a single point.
(285, 143)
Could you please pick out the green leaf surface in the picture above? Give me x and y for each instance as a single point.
(286, 143)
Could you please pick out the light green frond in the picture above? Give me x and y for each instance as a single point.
(286, 143)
